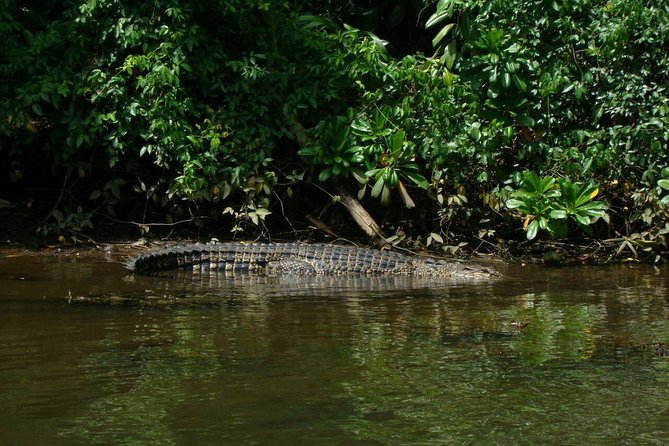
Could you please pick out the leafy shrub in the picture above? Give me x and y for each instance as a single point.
(546, 203)
(206, 102)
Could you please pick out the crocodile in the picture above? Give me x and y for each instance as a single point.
(302, 259)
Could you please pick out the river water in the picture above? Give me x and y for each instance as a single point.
(90, 354)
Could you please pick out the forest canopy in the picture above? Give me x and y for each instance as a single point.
(478, 120)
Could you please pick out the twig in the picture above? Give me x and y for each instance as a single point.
(189, 220)
(60, 197)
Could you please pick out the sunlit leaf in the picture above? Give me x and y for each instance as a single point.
(532, 230)
(513, 203)
(418, 179)
(385, 195)
(558, 213)
(441, 34)
(404, 195)
(378, 186)
(436, 237)
(437, 18)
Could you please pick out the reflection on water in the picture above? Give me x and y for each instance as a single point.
(92, 355)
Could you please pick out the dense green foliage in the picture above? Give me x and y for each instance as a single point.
(548, 206)
(234, 101)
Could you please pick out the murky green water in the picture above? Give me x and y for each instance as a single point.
(92, 355)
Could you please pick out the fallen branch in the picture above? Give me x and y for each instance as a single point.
(360, 214)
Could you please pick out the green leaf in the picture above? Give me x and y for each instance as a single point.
(373, 172)
(582, 219)
(341, 138)
(378, 186)
(444, 4)
(385, 195)
(357, 158)
(520, 84)
(532, 230)
(436, 237)
(313, 21)
(359, 176)
(441, 34)
(437, 18)
(513, 203)
(558, 213)
(664, 184)
(394, 178)
(325, 174)
(506, 80)
(417, 179)
(512, 67)
(526, 121)
(397, 141)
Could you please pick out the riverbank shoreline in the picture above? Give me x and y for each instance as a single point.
(19, 229)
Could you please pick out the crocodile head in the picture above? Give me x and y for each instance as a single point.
(442, 268)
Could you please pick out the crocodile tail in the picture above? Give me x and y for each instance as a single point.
(166, 259)
(158, 261)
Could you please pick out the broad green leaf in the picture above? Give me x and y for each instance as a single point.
(582, 219)
(441, 34)
(374, 172)
(397, 141)
(558, 214)
(444, 4)
(664, 184)
(404, 195)
(312, 21)
(520, 84)
(378, 186)
(450, 53)
(532, 230)
(394, 178)
(352, 151)
(512, 67)
(506, 80)
(436, 237)
(493, 91)
(526, 121)
(341, 138)
(513, 203)
(325, 174)
(385, 195)
(357, 158)
(418, 179)
(437, 18)
(410, 167)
